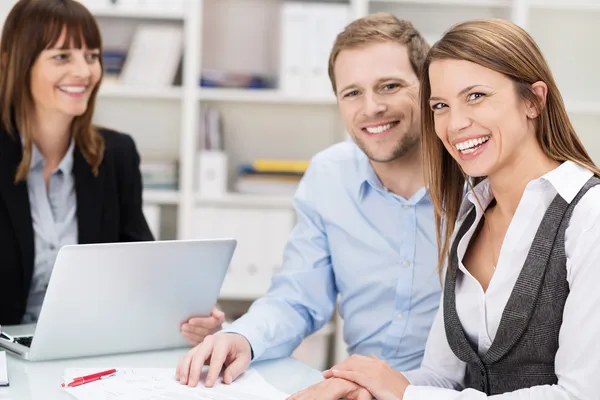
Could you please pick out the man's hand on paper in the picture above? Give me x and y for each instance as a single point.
(197, 328)
(333, 389)
(227, 349)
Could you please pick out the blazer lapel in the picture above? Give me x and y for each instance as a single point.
(89, 199)
(16, 199)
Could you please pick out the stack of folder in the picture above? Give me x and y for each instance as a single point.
(275, 177)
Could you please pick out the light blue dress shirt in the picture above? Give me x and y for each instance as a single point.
(355, 239)
(53, 212)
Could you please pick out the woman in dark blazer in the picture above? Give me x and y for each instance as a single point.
(62, 180)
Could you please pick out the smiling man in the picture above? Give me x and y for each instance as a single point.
(365, 226)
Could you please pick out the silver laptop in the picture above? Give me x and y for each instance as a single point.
(122, 298)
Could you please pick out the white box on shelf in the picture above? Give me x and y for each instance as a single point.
(212, 173)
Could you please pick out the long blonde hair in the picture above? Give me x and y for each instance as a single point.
(505, 48)
(31, 27)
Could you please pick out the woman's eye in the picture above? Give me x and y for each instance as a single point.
(475, 96)
(60, 57)
(438, 106)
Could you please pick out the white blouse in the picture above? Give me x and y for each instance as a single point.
(577, 362)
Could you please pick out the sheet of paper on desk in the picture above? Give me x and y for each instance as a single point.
(160, 384)
(3, 369)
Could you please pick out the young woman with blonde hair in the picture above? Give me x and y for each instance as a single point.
(520, 251)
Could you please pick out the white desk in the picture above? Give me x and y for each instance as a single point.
(41, 380)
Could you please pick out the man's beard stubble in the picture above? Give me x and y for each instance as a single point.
(401, 148)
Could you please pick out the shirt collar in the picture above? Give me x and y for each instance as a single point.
(367, 178)
(366, 175)
(567, 179)
(65, 165)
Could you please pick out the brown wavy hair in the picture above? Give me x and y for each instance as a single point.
(31, 27)
(508, 49)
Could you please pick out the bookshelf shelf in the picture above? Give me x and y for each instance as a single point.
(466, 3)
(162, 197)
(140, 92)
(109, 12)
(260, 96)
(247, 200)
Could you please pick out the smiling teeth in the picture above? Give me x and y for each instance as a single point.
(72, 89)
(468, 145)
(380, 128)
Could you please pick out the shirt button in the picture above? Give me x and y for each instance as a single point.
(399, 316)
(405, 263)
(406, 206)
(52, 247)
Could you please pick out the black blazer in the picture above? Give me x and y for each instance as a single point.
(109, 209)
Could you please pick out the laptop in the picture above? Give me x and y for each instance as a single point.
(122, 297)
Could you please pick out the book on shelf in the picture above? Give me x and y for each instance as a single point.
(112, 64)
(212, 78)
(281, 166)
(270, 177)
(159, 174)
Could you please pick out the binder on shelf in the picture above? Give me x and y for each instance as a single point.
(154, 56)
(308, 32)
(326, 21)
(295, 49)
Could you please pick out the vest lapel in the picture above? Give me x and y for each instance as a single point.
(454, 331)
(88, 189)
(16, 199)
(523, 299)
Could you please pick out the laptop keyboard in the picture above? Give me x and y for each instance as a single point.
(24, 340)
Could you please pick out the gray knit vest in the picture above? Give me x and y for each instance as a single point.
(523, 351)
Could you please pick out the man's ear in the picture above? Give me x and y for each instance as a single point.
(540, 89)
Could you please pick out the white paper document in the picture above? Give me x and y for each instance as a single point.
(3, 369)
(160, 384)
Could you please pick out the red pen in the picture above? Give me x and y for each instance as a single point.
(90, 378)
